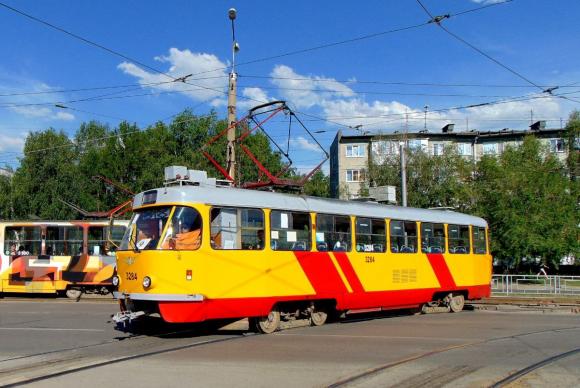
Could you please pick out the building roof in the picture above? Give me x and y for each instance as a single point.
(503, 133)
(227, 196)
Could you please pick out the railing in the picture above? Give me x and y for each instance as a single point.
(503, 285)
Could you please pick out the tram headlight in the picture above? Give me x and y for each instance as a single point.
(146, 282)
(115, 281)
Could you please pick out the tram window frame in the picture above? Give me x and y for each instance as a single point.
(294, 221)
(376, 246)
(462, 249)
(477, 242)
(69, 246)
(170, 239)
(325, 227)
(148, 221)
(430, 247)
(405, 227)
(27, 243)
(244, 232)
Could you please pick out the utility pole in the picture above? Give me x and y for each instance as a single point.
(426, 107)
(402, 157)
(232, 90)
(403, 173)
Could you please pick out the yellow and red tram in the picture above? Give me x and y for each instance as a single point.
(58, 256)
(195, 251)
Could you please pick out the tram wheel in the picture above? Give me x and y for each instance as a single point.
(456, 303)
(318, 316)
(74, 293)
(267, 324)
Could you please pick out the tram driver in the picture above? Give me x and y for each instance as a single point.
(185, 232)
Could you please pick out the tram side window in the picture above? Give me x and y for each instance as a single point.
(403, 236)
(289, 231)
(370, 235)
(432, 238)
(115, 234)
(22, 240)
(63, 240)
(458, 238)
(479, 245)
(98, 241)
(235, 228)
(184, 230)
(333, 233)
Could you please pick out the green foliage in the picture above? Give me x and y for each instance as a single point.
(525, 196)
(318, 185)
(431, 181)
(57, 168)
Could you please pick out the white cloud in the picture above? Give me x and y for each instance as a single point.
(302, 143)
(255, 96)
(206, 84)
(11, 142)
(42, 112)
(307, 91)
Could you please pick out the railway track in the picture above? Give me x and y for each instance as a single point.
(449, 375)
(32, 368)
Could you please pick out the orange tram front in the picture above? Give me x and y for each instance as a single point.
(196, 251)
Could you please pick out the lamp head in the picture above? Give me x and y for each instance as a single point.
(232, 14)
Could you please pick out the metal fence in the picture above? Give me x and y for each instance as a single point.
(503, 285)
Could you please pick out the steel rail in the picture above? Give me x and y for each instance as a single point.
(376, 370)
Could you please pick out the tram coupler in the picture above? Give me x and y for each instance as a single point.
(124, 318)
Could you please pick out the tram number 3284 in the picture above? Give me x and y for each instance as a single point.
(369, 259)
(131, 275)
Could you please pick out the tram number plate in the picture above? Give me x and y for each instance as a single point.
(369, 259)
(131, 275)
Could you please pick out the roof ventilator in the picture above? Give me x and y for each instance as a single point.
(181, 176)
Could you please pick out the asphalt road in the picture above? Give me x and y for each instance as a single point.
(57, 343)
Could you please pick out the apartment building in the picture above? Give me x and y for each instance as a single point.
(349, 155)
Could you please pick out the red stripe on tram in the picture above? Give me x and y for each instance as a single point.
(349, 271)
(321, 272)
(441, 270)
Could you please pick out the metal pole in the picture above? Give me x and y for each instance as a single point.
(403, 174)
(232, 91)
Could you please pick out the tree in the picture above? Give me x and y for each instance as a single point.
(48, 172)
(526, 198)
(318, 185)
(432, 181)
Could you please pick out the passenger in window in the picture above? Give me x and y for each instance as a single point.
(187, 238)
(260, 239)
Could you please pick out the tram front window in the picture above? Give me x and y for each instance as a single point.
(146, 228)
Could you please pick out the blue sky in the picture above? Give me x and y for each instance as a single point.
(536, 38)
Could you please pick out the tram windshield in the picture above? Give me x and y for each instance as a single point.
(145, 228)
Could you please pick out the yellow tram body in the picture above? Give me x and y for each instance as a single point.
(214, 282)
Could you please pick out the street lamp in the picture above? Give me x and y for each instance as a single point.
(232, 90)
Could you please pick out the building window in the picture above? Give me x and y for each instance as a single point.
(464, 149)
(417, 145)
(355, 175)
(383, 148)
(289, 231)
(490, 149)
(438, 149)
(355, 151)
(370, 235)
(557, 145)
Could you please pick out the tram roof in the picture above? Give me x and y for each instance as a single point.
(228, 196)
